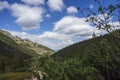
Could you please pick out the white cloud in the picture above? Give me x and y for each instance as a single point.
(72, 25)
(68, 30)
(27, 17)
(91, 6)
(56, 5)
(3, 5)
(72, 10)
(54, 35)
(46, 40)
(34, 2)
(55, 40)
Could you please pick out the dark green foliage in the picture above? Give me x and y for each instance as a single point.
(71, 69)
(93, 59)
(105, 57)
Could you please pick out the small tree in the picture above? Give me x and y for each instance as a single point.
(103, 17)
(106, 18)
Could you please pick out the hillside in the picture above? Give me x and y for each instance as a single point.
(97, 58)
(25, 45)
(37, 48)
(8, 40)
(80, 48)
(17, 54)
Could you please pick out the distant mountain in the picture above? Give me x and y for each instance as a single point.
(15, 53)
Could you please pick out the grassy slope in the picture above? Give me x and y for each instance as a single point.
(8, 41)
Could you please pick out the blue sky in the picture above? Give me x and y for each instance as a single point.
(53, 23)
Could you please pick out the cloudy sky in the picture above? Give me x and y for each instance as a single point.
(52, 23)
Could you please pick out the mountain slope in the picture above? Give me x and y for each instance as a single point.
(16, 53)
(25, 45)
(80, 48)
(7, 40)
(94, 59)
(12, 56)
(37, 48)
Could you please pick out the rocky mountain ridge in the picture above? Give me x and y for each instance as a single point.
(26, 43)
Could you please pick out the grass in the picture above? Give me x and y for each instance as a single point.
(15, 76)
